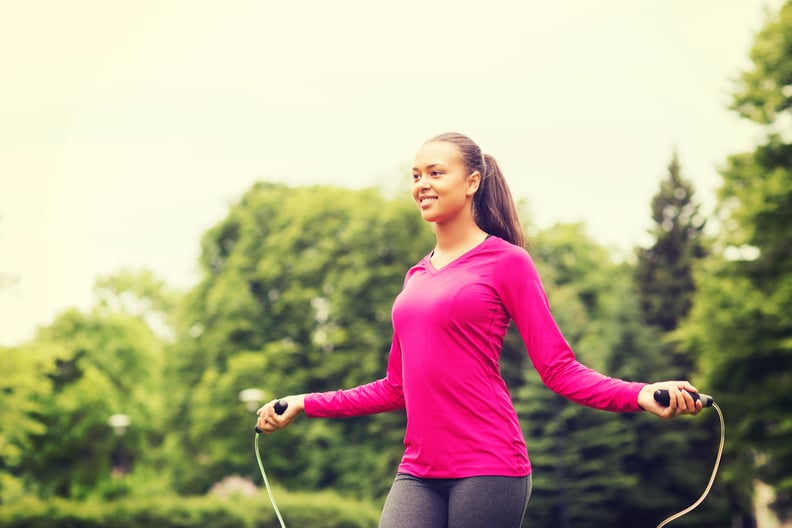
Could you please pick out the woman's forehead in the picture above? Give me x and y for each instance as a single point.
(437, 152)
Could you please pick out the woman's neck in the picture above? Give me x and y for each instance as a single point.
(451, 237)
(454, 239)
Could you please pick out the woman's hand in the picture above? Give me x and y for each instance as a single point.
(269, 421)
(680, 400)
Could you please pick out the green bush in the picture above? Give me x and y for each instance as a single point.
(314, 510)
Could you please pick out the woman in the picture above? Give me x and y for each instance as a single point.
(465, 461)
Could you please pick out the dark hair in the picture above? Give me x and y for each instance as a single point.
(493, 206)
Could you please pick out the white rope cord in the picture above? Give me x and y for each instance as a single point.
(266, 482)
(712, 478)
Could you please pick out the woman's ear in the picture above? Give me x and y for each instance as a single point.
(473, 183)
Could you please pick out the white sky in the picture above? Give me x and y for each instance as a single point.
(127, 128)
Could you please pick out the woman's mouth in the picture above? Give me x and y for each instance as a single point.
(426, 201)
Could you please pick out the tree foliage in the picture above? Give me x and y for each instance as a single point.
(60, 391)
(88, 368)
(22, 394)
(741, 320)
(762, 92)
(664, 273)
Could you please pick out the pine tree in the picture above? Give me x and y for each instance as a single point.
(664, 274)
(664, 280)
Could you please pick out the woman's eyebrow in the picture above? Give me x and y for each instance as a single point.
(430, 166)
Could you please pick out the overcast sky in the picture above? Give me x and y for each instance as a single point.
(127, 128)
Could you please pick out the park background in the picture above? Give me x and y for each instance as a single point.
(201, 200)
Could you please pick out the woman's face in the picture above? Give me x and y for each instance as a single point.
(442, 188)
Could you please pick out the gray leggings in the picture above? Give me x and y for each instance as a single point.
(472, 502)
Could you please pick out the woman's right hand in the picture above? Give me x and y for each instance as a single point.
(269, 421)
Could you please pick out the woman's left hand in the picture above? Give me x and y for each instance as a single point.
(269, 421)
(680, 400)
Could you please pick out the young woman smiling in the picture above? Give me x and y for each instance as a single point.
(465, 461)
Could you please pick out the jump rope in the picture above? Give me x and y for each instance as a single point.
(661, 396)
(280, 408)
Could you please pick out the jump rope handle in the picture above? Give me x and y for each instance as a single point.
(661, 396)
(280, 408)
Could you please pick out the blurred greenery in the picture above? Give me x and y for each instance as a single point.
(741, 321)
(320, 510)
(295, 296)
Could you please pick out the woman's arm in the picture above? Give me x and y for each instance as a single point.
(383, 395)
(523, 295)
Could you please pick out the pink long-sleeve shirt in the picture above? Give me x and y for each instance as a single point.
(449, 326)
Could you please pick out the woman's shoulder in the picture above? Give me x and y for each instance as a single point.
(505, 249)
(510, 261)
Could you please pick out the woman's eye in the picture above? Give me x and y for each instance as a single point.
(416, 177)
(436, 173)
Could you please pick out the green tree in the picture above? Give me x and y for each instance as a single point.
(671, 461)
(141, 294)
(741, 321)
(98, 366)
(664, 273)
(23, 391)
(63, 387)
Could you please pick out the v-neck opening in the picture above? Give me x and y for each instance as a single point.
(435, 270)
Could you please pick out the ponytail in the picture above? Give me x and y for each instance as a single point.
(493, 207)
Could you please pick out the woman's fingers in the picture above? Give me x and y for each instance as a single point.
(267, 421)
(680, 399)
